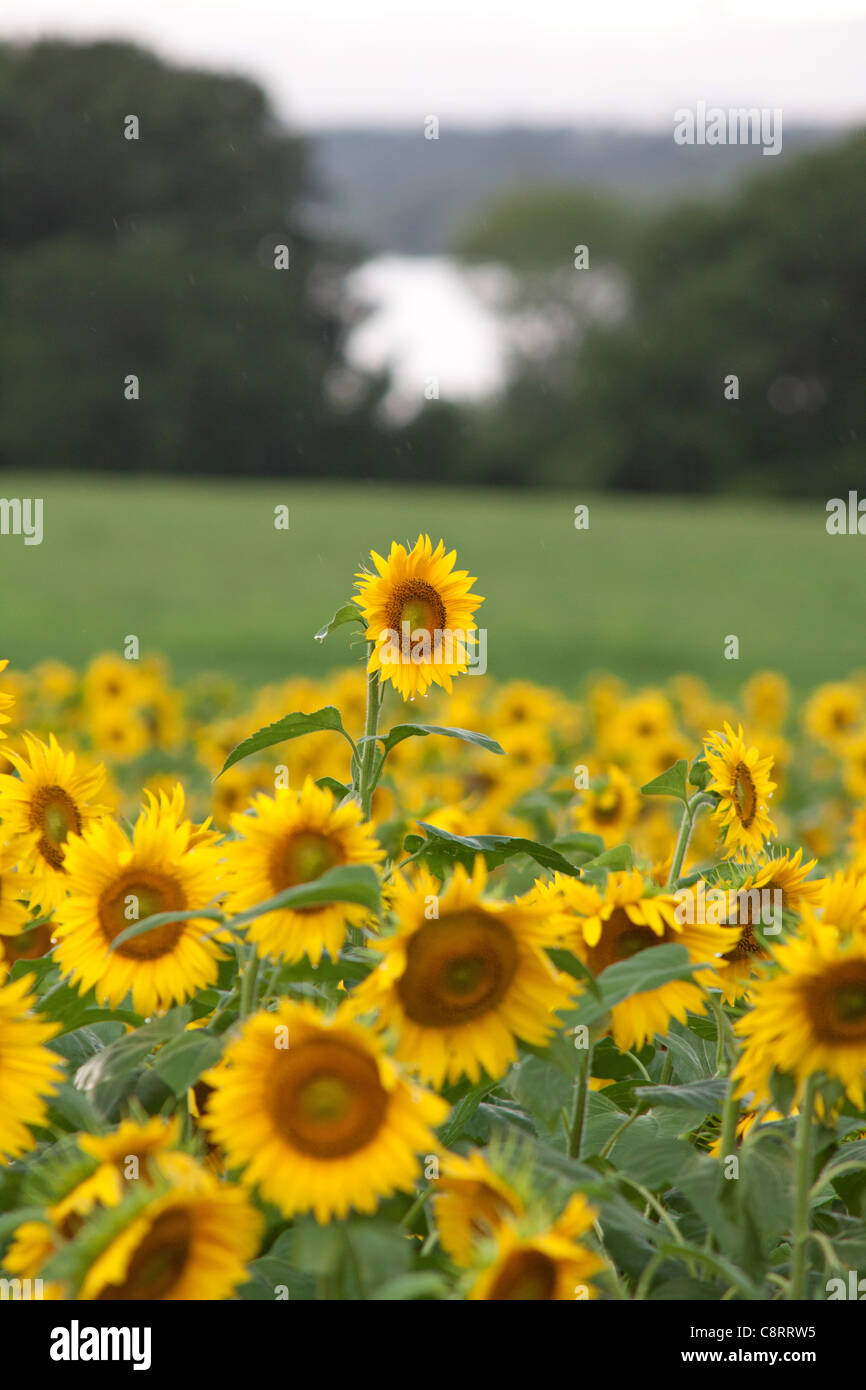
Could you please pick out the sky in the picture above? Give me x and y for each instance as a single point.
(487, 62)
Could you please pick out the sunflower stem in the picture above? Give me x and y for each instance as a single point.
(802, 1194)
(248, 986)
(730, 1116)
(687, 825)
(581, 1088)
(367, 770)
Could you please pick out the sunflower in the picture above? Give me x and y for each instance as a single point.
(119, 733)
(192, 1242)
(741, 778)
(470, 1202)
(809, 1017)
(626, 918)
(28, 1070)
(50, 800)
(463, 978)
(550, 1266)
(766, 698)
(833, 713)
(168, 865)
(123, 1157)
(290, 839)
(6, 701)
(609, 807)
(14, 886)
(316, 1114)
(783, 874)
(854, 766)
(842, 899)
(112, 680)
(419, 613)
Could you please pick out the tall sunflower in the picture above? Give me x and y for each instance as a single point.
(784, 874)
(741, 778)
(28, 1070)
(290, 839)
(316, 1114)
(51, 799)
(548, 1266)
(167, 865)
(420, 616)
(810, 1016)
(626, 918)
(463, 977)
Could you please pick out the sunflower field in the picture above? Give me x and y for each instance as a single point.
(553, 995)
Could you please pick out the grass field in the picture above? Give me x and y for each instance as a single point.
(199, 572)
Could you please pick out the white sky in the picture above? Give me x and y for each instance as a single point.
(329, 62)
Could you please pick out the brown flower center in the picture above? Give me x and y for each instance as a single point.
(158, 1262)
(135, 895)
(743, 794)
(621, 939)
(54, 814)
(457, 969)
(301, 857)
(328, 1100)
(27, 945)
(417, 603)
(526, 1275)
(836, 1003)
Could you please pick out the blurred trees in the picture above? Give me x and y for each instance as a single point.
(769, 286)
(155, 257)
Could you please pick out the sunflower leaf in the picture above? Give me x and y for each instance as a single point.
(670, 783)
(345, 883)
(641, 973)
(181, 1062)
(707, 1096)
(347, 613)
(402, 731)
(289, 727)
(495, 849)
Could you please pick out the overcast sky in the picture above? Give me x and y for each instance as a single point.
(393, 62)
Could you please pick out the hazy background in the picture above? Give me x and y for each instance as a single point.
(432, 328)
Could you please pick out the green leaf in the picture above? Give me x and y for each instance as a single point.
(700, 775)
(421, 1283)
(705, 1096)
(646, 971)
(330, 784)
(670, 783)
(161, 919)
(402, 731)
(181, 1062)
(289, 727)
(348, 613)
(463, 1112)
(345, 883)
(112, 1073)
(580, 842)
(495, 848)
(613, 860)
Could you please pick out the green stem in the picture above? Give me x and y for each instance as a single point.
(581, 1088)
(621, 1129)
(248, 986)
(366, 771)
(687, 824)
(803, 1170)
(730, 1116)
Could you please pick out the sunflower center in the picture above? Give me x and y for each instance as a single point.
(457, 969)
(836, 1003)
(417, 603)
(302, 857)
(747, 945)
(158, 1262)
(27, 945)
(328, 1100)
(526, 1275)
(138, 894)
(621, 938)
(743, 793)
(54, 814)
(607, 805)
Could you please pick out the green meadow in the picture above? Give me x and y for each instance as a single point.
(198, 571)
